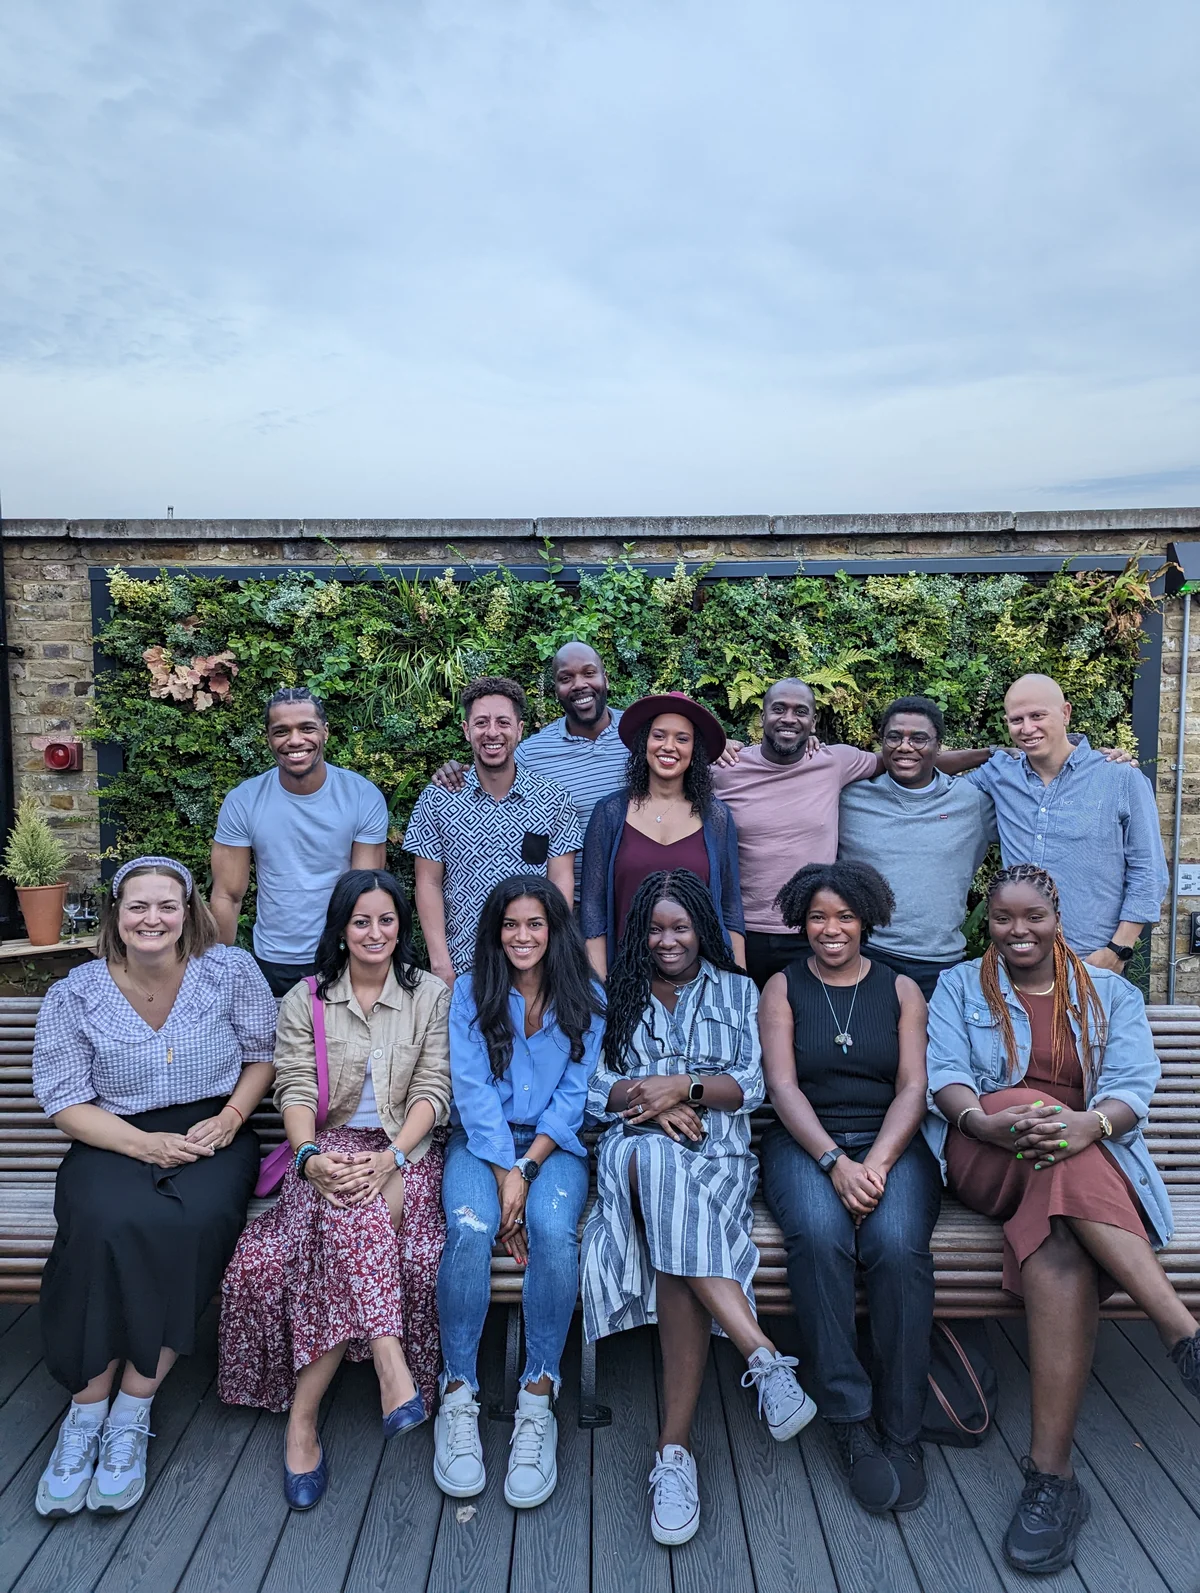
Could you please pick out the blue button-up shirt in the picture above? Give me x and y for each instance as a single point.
(1094, 829)
(542, 1089)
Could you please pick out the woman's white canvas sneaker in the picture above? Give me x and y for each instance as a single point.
(533, 1453)
(457, 1452)
(781, 1400)
(675, 1513)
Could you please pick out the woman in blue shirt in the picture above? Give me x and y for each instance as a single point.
(525, 1032)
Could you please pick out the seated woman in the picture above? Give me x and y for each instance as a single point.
(150, 1060)
(344, 1265)
(1043, 1068)
(669, 1237)
(665, 818)
(525, 1031)
(847, 1176)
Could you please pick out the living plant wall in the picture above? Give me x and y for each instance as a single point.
(194, 660)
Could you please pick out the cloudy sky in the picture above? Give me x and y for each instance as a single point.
(540, 257)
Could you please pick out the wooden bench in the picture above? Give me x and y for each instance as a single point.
(967, 1249)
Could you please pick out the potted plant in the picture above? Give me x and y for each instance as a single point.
(34, 860)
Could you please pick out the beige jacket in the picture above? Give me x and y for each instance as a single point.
(406, 1036)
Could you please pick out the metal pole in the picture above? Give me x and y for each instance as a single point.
(1178, 825)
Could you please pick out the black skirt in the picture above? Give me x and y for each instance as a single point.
(140, 1250)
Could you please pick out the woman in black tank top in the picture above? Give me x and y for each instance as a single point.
(848, 1177)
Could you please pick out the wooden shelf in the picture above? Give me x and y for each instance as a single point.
(10, 950)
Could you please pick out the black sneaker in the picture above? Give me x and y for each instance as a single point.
(872, 1480)
(908, 1462)
(1041, 1535)
(1186, 1355)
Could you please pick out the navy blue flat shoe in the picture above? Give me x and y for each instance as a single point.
(411, 1414)
(303, 1489)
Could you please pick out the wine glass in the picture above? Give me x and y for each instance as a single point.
(74, 910)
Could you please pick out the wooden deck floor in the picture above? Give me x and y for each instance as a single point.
(776, 1517)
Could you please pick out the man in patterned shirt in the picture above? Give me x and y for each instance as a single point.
(504, 820)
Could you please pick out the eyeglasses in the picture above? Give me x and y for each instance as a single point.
(918, 742)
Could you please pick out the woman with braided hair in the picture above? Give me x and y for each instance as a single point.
(1041, 1070)
(668, 1239)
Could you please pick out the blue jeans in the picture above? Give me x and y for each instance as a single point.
(552, 1210)
(824, 1250)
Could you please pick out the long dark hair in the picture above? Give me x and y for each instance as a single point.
(332, 955)
(697, 780)
(632, 973)
(566, 975)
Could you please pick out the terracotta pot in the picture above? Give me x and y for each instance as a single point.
(42, 910)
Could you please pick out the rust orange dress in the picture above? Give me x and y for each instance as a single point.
(990, 1179)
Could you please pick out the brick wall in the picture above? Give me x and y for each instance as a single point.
(49, 607)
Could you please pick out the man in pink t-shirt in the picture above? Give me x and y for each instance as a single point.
(785, 804)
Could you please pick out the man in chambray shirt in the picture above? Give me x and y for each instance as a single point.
(1090, 823)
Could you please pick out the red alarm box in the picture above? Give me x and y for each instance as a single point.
(63, 755)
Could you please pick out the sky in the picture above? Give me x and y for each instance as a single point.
(409, 258)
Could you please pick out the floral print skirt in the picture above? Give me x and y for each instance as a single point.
(307, 1276)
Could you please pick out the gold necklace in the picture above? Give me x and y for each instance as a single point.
(1048, 992)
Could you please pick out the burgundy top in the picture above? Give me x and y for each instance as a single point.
(638, 857)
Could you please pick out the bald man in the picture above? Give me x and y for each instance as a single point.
(1091, 823)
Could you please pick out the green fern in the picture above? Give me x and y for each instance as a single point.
(34, 854)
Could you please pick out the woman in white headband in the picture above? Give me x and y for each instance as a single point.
(150, 1060)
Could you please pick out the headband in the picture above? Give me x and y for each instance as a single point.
(171, 863)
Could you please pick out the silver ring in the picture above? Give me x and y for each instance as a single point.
(639, 1109)
(520, 1222)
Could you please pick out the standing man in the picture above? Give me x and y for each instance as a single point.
(302, 823)
(504, 819)
(926, 834)
(1090, 822)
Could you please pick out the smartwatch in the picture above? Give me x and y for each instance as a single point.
(401, 1158)
(826, 1162)
(1123, 952)
(695, 1088)
(528, 1168)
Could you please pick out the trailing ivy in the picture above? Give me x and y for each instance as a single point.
(389, 657)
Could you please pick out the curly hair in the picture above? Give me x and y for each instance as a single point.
(329, 962)
(1085, 1006)
(632, 973)
(495, 686)
(925, 706)
(863, 889)
(566, 975)
(697, 780)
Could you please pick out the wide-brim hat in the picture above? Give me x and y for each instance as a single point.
(646, 709)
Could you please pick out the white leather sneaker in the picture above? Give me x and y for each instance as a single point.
(120, 1478)
(675, 1513)
(63, 1487)
(533, 1453)
(780, 1398)
(457, 1452)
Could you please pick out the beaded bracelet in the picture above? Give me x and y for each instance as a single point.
(965, 1112)
(303, 1155)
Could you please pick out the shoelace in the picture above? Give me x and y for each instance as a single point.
(1041, 1495)
(529, 1429)
(72, 1448)
(463, 1436)
(676, 1483)
(119, 1446)
(853, 1439)
(1186, 1356)
(767, 1377)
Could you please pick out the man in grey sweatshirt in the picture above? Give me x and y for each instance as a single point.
(926, 833)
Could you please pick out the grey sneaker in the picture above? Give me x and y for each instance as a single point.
(63, 1487)
(780, 1398)
(120, 1479)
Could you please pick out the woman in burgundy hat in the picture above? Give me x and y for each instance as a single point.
(665, 817)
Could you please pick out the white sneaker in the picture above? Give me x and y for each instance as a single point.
(780, 1398)
(63, 1487)
(457, 1452)
(120, 1479)
(675, 1514)
(533, 1452)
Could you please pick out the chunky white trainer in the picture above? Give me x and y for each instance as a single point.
(675, 1513)
(120, 1478)
(780, 1398)
(457, 1452)
(63, 1487)
(533, 1452)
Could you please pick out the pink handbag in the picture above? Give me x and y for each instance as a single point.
(276, 1162)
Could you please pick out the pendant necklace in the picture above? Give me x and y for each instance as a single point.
(844, 1038)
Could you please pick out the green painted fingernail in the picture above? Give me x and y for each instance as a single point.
(1058, 1108)
(1037, 1167)
(1020, 1156)
(1039, 1103)
(1062, 1144)
(1013, 1129)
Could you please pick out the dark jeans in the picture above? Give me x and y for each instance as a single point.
(281, 976)
(824, 1249)
(769, 954)
(924, 974)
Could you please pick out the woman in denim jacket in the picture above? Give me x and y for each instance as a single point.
(1041, 1071)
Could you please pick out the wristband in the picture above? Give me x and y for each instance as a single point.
(230, 1107)
(303, 1156)
(964, 1113)
(1122, 952)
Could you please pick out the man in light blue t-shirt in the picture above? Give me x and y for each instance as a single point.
(303, 823)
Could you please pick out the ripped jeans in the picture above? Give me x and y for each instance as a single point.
(552, 1210)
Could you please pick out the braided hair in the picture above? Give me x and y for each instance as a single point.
(1085, 1006)
(632, 973)
(697, 779)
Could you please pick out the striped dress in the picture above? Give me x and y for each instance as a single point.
(695, 1203)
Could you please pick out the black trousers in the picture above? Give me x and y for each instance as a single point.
(769, 954)
(281, 976)
(924, 974)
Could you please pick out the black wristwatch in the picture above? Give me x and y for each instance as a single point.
(826, 1162)
(1123, 952)
(695, 1088)
(528, 1168)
